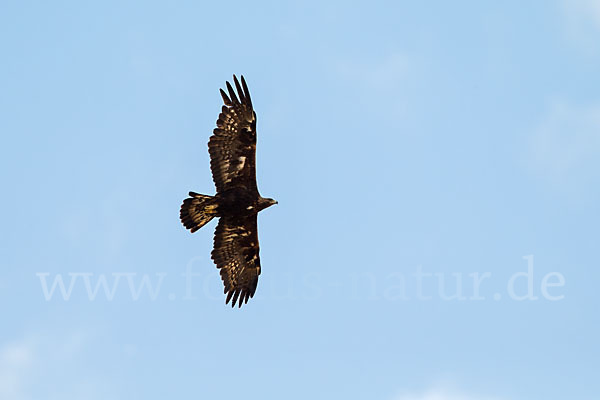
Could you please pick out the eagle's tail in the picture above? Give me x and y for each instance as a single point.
(197, 211)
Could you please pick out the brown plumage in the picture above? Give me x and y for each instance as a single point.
(232, 149)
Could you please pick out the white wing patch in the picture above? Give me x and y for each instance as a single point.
(242, 162)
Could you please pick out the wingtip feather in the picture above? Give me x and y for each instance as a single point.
(239, 90)
(232, 95)
(226, 99)
(246, 91)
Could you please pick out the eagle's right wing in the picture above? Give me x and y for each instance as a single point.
(232, 147)
(236, 255)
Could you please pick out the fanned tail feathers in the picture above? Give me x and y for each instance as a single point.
(197, 210)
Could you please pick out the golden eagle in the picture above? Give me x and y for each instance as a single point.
(232, 149)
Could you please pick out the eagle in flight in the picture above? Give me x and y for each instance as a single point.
(232, 149)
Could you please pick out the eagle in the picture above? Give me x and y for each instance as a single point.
(232, 149)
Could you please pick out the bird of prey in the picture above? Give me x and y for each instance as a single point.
(232, 149)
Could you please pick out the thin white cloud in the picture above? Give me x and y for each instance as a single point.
(386, 79)
(443, 393)
(16, 360)
(582, 19)
(589, 9)
(565, 146)
(383, 74)
(37, 364)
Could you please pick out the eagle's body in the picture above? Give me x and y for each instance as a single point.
(240, 203)
(232, 150)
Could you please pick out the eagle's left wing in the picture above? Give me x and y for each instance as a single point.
(232, 146)
(236, 255)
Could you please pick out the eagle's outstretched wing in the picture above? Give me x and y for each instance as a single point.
(236, 255)
(232, 147)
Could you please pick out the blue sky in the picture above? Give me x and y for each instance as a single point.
(411, 146)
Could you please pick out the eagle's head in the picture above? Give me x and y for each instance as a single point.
(265, 202)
